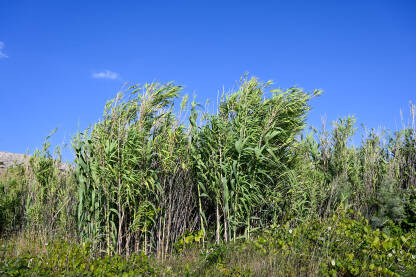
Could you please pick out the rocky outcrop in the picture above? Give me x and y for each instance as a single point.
(9, 159)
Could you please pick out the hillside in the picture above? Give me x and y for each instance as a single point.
(9, 159)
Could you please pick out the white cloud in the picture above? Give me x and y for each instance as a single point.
(2, 55)
(106, 74)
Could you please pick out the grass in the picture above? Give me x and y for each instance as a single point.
(244, 191)
(339, 246)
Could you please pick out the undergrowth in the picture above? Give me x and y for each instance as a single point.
(339, 246)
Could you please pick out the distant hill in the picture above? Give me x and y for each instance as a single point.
(9, 159)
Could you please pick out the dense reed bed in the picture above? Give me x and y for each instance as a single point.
(247, 190)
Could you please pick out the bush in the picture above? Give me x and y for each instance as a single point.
(66, 259)
(12, 192)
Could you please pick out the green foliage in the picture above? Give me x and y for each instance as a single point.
(12, 192)
(359, 250)
(244, 156)
(390, 205)
(66, 259)
(38, 196)
(246, 187)
(134, 189)
(339, 246)
(49, 202)
(189, 240)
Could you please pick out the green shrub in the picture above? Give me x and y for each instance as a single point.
(12, 192)
(65, 259)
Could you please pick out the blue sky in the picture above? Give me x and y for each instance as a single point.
(60, 61)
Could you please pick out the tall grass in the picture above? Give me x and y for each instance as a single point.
(146, 180)
(38, 197)
(134, 183)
